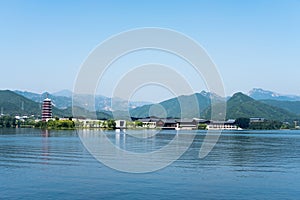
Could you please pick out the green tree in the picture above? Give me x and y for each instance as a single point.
(138, 123)
(202, 126)
(111, 124)
(1, 122)
(41, 124)
(243, 122)
(266, 125)
(285, 126)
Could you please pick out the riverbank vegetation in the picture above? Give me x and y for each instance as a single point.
(56, 124)
(69, 123)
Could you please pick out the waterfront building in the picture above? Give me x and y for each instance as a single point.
(168, 124)
(186, 124)
(149, 122)
(120, 124)
(88, 123)
(223, 125)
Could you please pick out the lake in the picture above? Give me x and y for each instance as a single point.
(36, 164)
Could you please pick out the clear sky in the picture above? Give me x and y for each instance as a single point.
(253, 43)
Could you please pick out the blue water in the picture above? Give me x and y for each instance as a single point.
(35, 164)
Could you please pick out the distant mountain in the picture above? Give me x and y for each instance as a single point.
(63, 93)
(83, 113)
(241, 105)
(173, 108)
(63, 100)
(12, 103)
(60, 102)
(260, 94)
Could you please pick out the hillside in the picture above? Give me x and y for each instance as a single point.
(241, 105)
(290, 106)
(63, 100)
(172, 108)
(15, 104)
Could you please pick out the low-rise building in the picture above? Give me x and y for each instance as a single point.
(120, 124)
(87, 123)
(222, 125)
(149, 122)
(186, 124)
(168, 124)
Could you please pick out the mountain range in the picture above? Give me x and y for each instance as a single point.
(259, 103)
(238, 106)
(260, 94)
(185, 106)
(63, 99)
(241, 105)
(13, 103)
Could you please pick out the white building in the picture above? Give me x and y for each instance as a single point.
(222, 125)
(120, 124)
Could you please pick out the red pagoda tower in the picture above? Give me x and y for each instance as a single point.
(46, 109)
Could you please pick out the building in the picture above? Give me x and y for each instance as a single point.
(167, 124)
(186, 124)
(149, 122)
(120, 124)
(201, 121)
(222, 125)
(87, 123)
(46, 109)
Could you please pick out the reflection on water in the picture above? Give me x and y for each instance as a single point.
(138, 153)
(37, 164)
(34, 147)
(45, 151)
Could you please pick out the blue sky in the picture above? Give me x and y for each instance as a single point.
(253, 43)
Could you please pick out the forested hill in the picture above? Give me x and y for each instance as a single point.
(241, 105)
(238, 106)
(15, 104)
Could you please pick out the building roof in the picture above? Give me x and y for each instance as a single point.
(231, 121)
(149, 120)
(185, 120)
(169, 121)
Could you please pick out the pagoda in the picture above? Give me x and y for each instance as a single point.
(46, 109)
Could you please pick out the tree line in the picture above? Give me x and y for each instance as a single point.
(245, 123)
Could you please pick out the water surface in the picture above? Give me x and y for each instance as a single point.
(37, 164)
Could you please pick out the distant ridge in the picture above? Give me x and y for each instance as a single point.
(12, 103)
(260, 94)
(239, 105)
(60, 102)
(172, 107)
(63, 93)
(63, 100)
